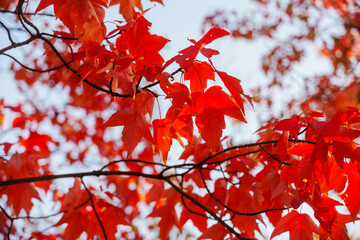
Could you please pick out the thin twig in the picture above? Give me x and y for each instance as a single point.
(78, 74)
(248, 145)
(214, 215)
(233, 157)
(226, 179)
(158, 82)
(184, 203)
(8, 32)
(273, 157)
(41, 231)
(111, 81)
(34, 69)
(19, 44)
(138, 83)
(60, 37)
(24, 20)
(131, 161)
(93, 207)
(32, 14)
(11, 221)
(305, 129)
(80, 174)
(232, 210)
(235, 147)
(177, 71)
(54, 214)
(114, 35)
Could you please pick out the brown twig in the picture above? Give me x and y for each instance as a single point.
(34, 69)
(273, 157)
(11, 221)
(232, 210)
(93, 207)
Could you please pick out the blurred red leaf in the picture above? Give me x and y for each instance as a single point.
(168, 219)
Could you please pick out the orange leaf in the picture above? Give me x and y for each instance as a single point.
(127, 7)
(301, 149)
(162, 136)
(144, 103)
(83, 18)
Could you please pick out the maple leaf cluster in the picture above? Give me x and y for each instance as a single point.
(295, 31)
(121, 112)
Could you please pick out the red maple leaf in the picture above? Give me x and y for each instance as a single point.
(215, 232)
(292, 125)
(338, 229)
(127, 7)
(37, 140)
(210, 109)
(144, 103)
(20, 199)
(198, 75)
(135, 126)
(300, 226)
(183, 124)
(83, 18)
(21, 166)
(342, 150)
(168, 219)
(80, 217)
(187, 56)
(330, 128)
(351, 196)
(162, 136)
(142, 45)
(7, 147)
(233, 85)
(198, 150)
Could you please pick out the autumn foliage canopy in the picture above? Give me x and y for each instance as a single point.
(109, 140)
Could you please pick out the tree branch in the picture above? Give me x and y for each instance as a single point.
(8, 32)
(31, 14)
(19, 44)
(79, 175)
(273, 157)
(232, 210)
